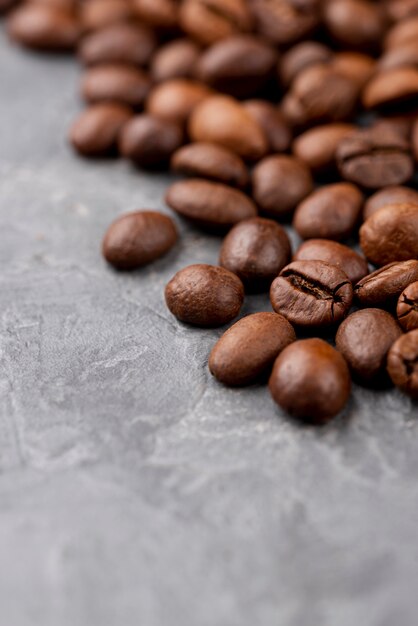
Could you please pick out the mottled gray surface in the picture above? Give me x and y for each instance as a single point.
(135, 491)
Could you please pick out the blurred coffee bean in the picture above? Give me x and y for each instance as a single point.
(43, 27)
(402, 56)
(160, 14)
(208, 21)
(355, 23)
(176, 59)
(397, 10)
(405, 31)
(391, 89)
(301, 56)
(208, 160)
(272, 122)
(149, 142)
(414, 140)
(95, 132)
(115, 82)
(355, 65)
(285, 21)
(351, 263)
(391, 234)
(382, 287)
(407, 308)
(317, 146)
(389, 195)
(403, 363)
(118, 43)
(97, 14)
(174, 100)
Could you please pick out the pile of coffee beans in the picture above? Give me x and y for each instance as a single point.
(301, 113)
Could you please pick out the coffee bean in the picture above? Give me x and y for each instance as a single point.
(95, 132)
(149, 141)
(407, 309)
(176, 59)
(398, 10)
(403, 363)
(394, 194)
(160, 14)
(97, 14)
(246, 352)
(330, 212)
(382, 287)
(285, 21)
(272, 122)
(138, 238)
(204, 295)
(311, 381)
(392, 88)
(404, 56)
(280, 182)
(355, 23)
(118, 43)
(317, 146)
(415, 141)
(210, 205)
(391, 234)
(43, 27)
(223, 120)
(312, 294)
(256, 250)
(364, 339)
(357, 66)
(174, 100)
(208, 160)
(403, 32)
(301, 56)
(115, 83)
(351, 263)
(208, 21)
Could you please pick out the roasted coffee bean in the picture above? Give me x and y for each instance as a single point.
(301, 56)
(351, 263)
(285, 21)
(375, 158)
(415, 141)
(208, 21)
(256, 250)
(43, 27)
(115, 83)
(404, 56)
(149, 141)
(392, 88)
(383, 287)
(272, 122)
(210, 205)
(176, 59)
(204, 295)
(160, 14)
(391, 234)
(311, 381)
(407, 309)
(364, 339)
(208, 160)
(355, 23)
(395, 194)
(95, 132)
(118, 43)
(403, 32)
(403, 363)
(312, 294)
(317, 146)
(398, 10)
(223, 120)
(138, 238)
(355, 65)
(330, 212)
(174, 100)
(280, 182)
(97, 14)
(246, 352)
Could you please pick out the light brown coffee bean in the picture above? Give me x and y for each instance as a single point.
(407, 309)
(403, 56)
(97, 14)
(355, 23)
(118, 43)
(176, 59)
(397, 10)
(317, 146)
(149, 142)
(95, 132)
(272, 122)
(351, 263)
(208, 160)
(208, 21)
(395, 194)
(174, 100)
(357, 66)
(285, 21)
(115, 82)
(401, 33)
(392, 88)
(160, 14)
(382, 287)
(403, 363)
(301, 56)
(43, 27)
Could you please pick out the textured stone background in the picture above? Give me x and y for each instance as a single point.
(134, 490)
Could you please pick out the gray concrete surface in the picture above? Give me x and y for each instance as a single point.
(135, 491)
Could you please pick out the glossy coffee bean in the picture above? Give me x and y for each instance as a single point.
(395, 194)
(403, 363)
(256, 250)
(115, 82)
(272, 122)
(138, 238)
(383, 287)
(285, 21)
(204, 295)
(208, 21)
(317, 146)
(176, 59)
(208, 160)
(351, 263)
(160, 14)
(246, 352)
(149, 142)
(301, 56)
(311, 381)
(407, 309)
(312, 294)
(174, 100)
(392, 88)
(357, 66)
(280, 182)
(43, 27)
(355, 23)
(95, 132)
(208, 204)
(330, 212)
(97, 14)
(391, 234)
(364, 339)
(118, 43)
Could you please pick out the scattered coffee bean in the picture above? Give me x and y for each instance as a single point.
(351, 263)
(176, 59)
(382, 287)
(95, 132)
(115, 83)
(392, 88)
(272, 122)
(174, 100)
(149, 141)
(355, 23)
(317, 146)
(405, 56)
(43, 27)
(160, 14)
(208, 21)
(356, 66)
(403, 363)
(118, 43)
(301, 56)
(97, 14)
(397, 10)
(402, 33)
(394, 194)
(407, 309)
(285, 21)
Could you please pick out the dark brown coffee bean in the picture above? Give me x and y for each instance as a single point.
(208, 160)
(375, 158)
(115, 83)
(160, 14)
(391, 234)
(95, 132)
(382, 287)
(280, 182)
(285, 21)
(317, 146)
(351, 263)
(330, 212)
(407, 309)
(403, 363)
(392, 88)
(364, 339)
(312, 294)
(404, 56)
(138, 238)
(43, 27)
(247, 350)
(311, 381)
(355, 23)
(149, 141)
(210, 205)
(204, 295)
(398, 10)
(256, 250)
(389, 195)
(355, 65)
(176, 59)
(403, 32)
(118, 43)
(223, 120)
(174, 100)
(97, 14)
(300, 57)
(208, 21)
(272, 122)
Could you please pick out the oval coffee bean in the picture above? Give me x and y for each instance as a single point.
(351, 263)
(403, 363)
(330, 212)
(317, 146)
(394, 194)
(311, 381)
(364, 339)
(392, 88)
(138, 238)
(355, 23)
(384, 285)
(403, 32)
(115, 83)
(248, 349)
(43, 27)
(208, 160)
(272, 122)
(284, 21)
(391, 234)
(407, 309)
(204, 295)
(208, 21)
(95, 132)
(149, 141)
(280, 182)
(174, 100)
(210, 205)
(404, 56)
(160, 14)
(256, 250)
(176, 59)
(312, 294)
(301, 56)
(97, 14)
(356, 66)
(118, 43)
